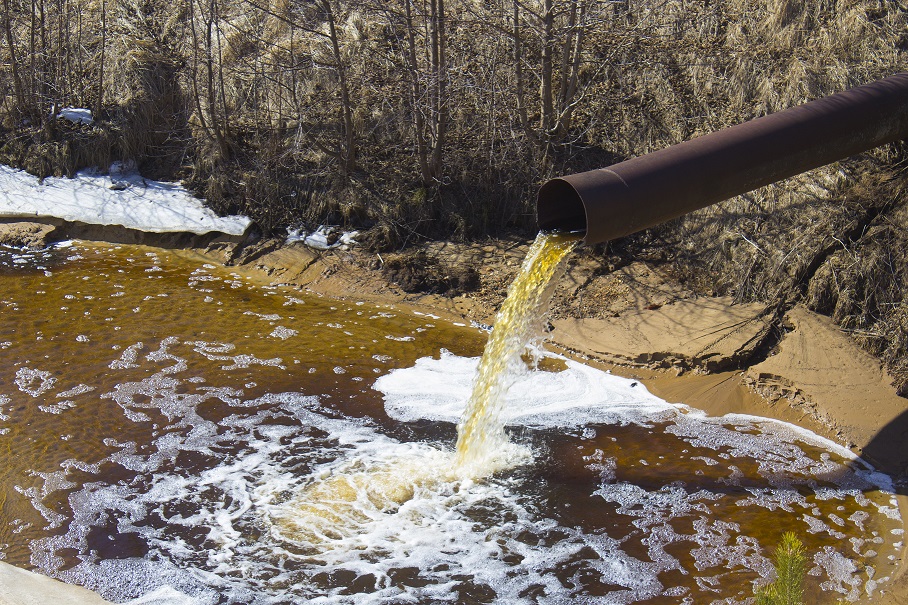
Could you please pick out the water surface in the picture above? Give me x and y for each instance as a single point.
(165, 425)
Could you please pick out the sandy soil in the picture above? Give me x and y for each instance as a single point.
(706, 352)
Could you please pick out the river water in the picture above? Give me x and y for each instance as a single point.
(172, 432)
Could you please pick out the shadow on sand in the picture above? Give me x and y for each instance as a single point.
(887, 451)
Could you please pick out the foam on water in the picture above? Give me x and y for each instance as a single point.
(438, 389)
(283, 499)
(580, 395)
(797, 469)
(241, 528)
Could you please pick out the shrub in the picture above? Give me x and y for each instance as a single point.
(788, 587)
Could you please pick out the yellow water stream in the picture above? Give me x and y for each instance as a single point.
(480, 433)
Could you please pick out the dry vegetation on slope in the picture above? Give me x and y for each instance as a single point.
(424, 119)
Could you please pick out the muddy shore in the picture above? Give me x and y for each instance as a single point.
(634, 321)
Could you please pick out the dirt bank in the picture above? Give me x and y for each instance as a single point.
(634, 320)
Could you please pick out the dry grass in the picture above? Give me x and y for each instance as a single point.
(863, 284)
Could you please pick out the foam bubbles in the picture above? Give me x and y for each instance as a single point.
(33, 381)
(749, 467)
(437, 389)
(283, 333)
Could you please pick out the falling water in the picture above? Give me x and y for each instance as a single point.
(481, 437)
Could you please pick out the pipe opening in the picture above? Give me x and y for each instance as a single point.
(559, 208)
(647, 190)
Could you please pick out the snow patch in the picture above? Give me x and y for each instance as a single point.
(76, 115)
(324, 238)
(122, 197)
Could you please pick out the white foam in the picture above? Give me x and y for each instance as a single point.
(34, 381)
(842, 573)
(581, 396)
(164, 595)
(455, 529)
(283, 333)
(204, 529)
(438, 389)
(80, 389)
(214, 350)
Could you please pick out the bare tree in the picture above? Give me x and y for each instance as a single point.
(346, 151)
(559, 28)
(22, 104)
(209, 97)
(427, 68)
(99, 98)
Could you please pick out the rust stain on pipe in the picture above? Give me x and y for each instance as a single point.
(644, 191)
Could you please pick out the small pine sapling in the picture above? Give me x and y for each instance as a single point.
(791, 565)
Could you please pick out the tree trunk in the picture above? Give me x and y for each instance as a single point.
(418, 119)
(210, 76)
(520, 90)
(348, 147)
(546, 119)
(99, 98)
(22, 106)
(439, 65)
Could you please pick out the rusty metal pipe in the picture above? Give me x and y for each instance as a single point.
(644, 191)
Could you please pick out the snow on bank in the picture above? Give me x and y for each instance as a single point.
(324, 238)
(121, 198)
(76, 115)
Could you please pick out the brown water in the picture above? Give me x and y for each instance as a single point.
(173, 430)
